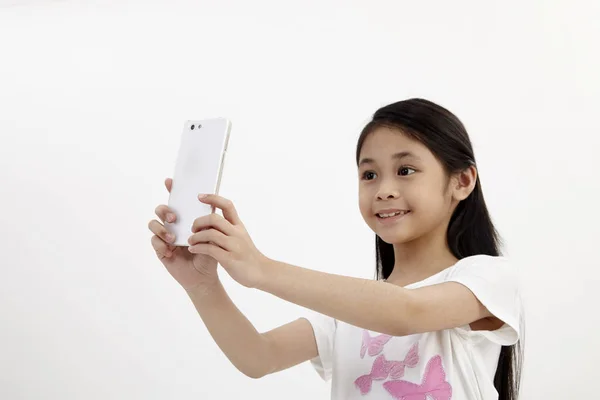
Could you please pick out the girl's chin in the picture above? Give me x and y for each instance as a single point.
(394, 237)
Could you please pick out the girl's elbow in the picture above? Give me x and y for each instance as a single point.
(261, 363)
(400, 329)
(397, 327)
(406, 322)
(256, 369)
(253, 374)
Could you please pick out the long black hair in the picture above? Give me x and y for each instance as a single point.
(470, 231)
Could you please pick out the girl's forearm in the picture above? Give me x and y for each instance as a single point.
(360, 302)
(235, 335)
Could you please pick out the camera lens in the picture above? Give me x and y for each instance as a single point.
(192, 127)
(199, 126)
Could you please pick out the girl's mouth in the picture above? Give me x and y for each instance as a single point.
(389, 216)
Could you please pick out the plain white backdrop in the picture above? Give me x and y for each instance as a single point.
(93, 95)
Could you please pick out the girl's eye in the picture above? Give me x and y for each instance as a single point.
(369, 175)
(405, 171)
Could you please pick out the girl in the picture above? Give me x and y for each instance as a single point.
(442, 319)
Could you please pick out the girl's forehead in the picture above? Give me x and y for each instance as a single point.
(384, 142)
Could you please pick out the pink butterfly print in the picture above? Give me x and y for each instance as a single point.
(373, 345)
(411, 360)
(434, 384)
(383, 368)
(379, 371)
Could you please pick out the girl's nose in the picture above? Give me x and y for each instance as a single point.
(388, 193)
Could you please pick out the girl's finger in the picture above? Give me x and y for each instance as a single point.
(213, 221)
(165, 214)
(169, 184)
(159, 230)
(211, 236)
(229, 211)
(161, 248)
(210, 250)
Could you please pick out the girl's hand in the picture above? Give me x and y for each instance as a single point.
(190, 270)
(226, 239)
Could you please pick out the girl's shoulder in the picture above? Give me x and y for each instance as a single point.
(480, 265)
(484, 259)
(483, 263)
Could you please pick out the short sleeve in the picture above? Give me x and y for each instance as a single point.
(494, 281)
(324, 328)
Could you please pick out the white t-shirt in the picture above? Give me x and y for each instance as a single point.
(456, 363)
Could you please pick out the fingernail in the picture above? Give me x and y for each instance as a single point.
(170, 217)
(169, 237)
(202, 196)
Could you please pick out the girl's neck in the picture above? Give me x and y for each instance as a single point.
(420, 259)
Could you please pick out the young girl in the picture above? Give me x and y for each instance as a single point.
(442, 319)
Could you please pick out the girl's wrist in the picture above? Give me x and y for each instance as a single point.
(204, 289)
(268, 271)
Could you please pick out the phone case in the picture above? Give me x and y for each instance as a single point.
(198, 169)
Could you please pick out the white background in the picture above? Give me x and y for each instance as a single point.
(93, 95)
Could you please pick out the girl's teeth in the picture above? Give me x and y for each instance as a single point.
(391, 215)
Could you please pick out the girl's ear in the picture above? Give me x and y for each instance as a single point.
(464, 183)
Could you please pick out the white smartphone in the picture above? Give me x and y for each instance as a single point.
(198, 169)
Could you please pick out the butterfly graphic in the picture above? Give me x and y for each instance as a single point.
(411, 360)
(434, 384)
(383, 368)
(374, 345)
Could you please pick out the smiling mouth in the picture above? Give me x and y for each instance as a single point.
(391, 214)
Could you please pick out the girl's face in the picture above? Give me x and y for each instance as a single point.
(404, 191)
